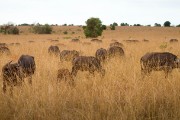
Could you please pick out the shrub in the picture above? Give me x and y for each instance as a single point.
(167, 24)
(104, 27)
(93, 28)
(65, 32)
(115, 24)
(112, 27)
(9, 29)
(137, 25)
(124, 24)
(42, 29)
(178, 25)
(157, 25)
(24, 24)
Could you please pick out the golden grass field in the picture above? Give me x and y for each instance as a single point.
(121, 95)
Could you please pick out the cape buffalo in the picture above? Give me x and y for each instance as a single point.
(87, 63)
(157, 61)
(173, 41)
(115, 51)
(12, 75)
(28, 66)
(131, 41)
(101, 54)
(116, 44)
(75, 40)
(65, 75)
(96, 40)
(53, 50)
(5, 50)
(68, 55)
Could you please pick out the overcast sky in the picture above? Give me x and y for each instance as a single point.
(78, 11)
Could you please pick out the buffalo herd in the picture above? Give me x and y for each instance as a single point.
(13, 74)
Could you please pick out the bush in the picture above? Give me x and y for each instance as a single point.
(157, 25)
(137, 25)
(24, 24)
(64, 25)
(178, 25)
(115, 24)
(104, 27)
(112, 27)
(9, 29)
(93, 28)
(42, 29)
(124, 24)
(65, 32)
(167, 24)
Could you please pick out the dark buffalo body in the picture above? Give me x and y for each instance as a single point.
(28, 65)
(68, 55)
(5, 50)
(87, 63)
(101, 54)
(53, 50)
(96, 40)
(173, 41)
(116, 44)
(144, 40)
(12, 75)
(131, 41)
(159, 61)
(115, 51)
(75, 40)
(3, 45)
(65, 75)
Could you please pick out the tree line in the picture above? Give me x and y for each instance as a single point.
(93, 27)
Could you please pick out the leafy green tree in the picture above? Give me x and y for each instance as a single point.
(93, 28)
(124, 24)
(9, 29)
(42, 29)
(104, 27)
(157, 25)
(178, 25)
(115, 24)
(167, 24)
(112, 27)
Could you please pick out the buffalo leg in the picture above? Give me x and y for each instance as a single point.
(4, 86)
(167, 72)
(30, 80)
(11, 90)
(74, 71)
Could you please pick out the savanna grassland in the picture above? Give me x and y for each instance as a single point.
(121, 95)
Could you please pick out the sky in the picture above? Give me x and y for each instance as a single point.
(76, 12)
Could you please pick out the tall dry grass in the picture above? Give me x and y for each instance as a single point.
(121, 95)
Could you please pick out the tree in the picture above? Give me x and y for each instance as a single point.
(115, 24)
(93, 28)
(137, 25)
(124, 24)
(112, 27)
(157, 25)
(9, 29)
(42, 29)
(104, 27)
(167, 24)
(178, 25)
